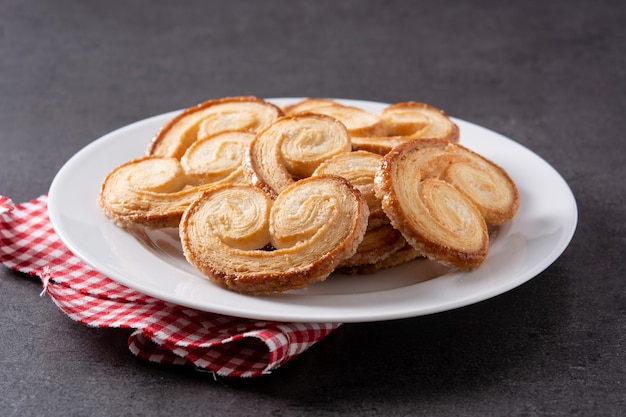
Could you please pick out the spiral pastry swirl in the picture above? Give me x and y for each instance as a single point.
(413, 120)
(408, 121)
(311, 227)
(245, 113)
(217, 158)
(381, 239)
(441, 195)
(359, 168)
(291, 148)
(395, 125)
(147, 192)
(359, 122)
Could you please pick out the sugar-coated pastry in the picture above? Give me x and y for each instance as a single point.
(413, 120)
(408, 121)
(298, 239)
(217, 158)
(245, 113)
(378, 244)
(358, 121)
(308, 104)
(147, 192)
(359, 168)
(440, 195)
(269, 199)
(486, 184)
(405, 254)
(291, 148)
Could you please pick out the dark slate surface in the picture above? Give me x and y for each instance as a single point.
(549, 74)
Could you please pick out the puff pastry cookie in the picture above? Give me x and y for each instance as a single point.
(378, 244)
(359, 168)
(291, 148)
(403, 255)
(396, 123)
(408, 121)
(245, 113)
(154, 191)
(146, 192)
(358, 121)
(217, 158)
(267, 199)
(308, 104)
(441, 196)
(244, 241)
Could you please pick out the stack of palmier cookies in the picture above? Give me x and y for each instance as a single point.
(269, 199)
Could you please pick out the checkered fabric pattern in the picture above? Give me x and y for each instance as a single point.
(164, 332)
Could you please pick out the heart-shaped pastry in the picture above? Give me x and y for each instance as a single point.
(245, 113)
(441, 196)
(243, 240)
(291, 148)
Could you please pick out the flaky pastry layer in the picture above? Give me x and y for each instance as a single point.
(217, 158)
(147, 192)
(408, 121)
(358, 167)
(245, 113)
(440, 195)
(292, 147)
(312, 226)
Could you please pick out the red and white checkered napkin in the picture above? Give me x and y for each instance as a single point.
(164, 332)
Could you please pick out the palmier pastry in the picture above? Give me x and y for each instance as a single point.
(441, 195)
(413, 120)
(148, 192)
(312, 226)
(291, 148)
(308, 104)
(381, 239)
(378, 243)
(359, 168)
(359, 122)
(486, 184)
(407, 121)
(405, 254)
(230, 113)
(217, 158)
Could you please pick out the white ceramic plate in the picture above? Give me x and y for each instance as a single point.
(153, 263)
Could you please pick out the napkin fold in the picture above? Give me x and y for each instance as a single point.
(164, 332)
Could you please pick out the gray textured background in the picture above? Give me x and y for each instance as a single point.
(549, 74)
